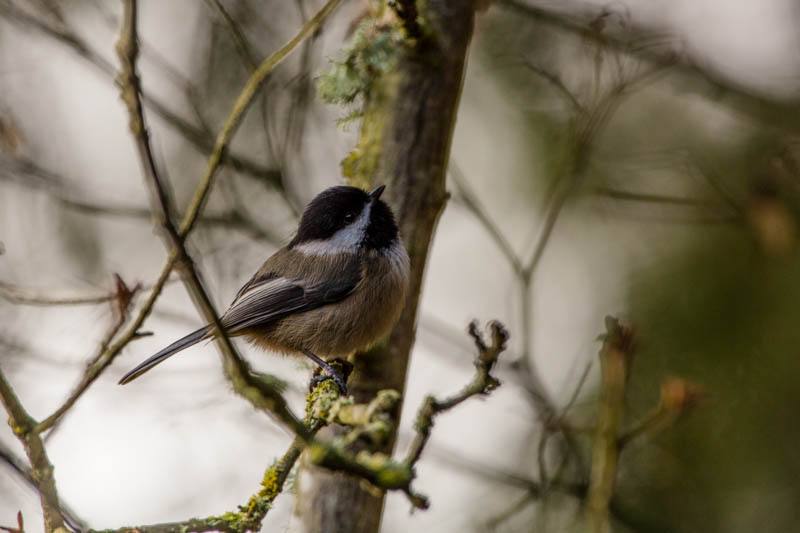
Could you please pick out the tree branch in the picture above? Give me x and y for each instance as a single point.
(248, 517)
(24, 471)
(18, 295)
(193, 134)
(678, 396)
(713, 85)
(24, 427)
(323, 406)
(241, 104)
(378, 468)
(410, 97)
(56, 186)
(123, 296)
(615, 360)
(261, 393)
(555, 80)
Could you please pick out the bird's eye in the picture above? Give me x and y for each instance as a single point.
(349, 217)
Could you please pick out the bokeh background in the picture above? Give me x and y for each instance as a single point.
(638, 159)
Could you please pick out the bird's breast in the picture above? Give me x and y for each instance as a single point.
(355, 322)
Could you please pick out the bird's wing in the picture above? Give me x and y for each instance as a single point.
(269, 297)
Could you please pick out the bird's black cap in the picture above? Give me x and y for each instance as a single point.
(337, 207)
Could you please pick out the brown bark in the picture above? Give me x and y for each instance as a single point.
(404, 143)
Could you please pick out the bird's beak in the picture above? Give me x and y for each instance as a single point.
(374, 195)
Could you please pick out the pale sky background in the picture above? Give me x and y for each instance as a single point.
(177, 443)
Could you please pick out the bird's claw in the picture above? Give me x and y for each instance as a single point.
(325, 375)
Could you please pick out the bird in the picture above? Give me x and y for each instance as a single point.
(337, 287)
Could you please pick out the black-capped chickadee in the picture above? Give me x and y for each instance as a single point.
(337, 287)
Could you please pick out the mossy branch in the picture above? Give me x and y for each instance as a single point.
(380, 469)
(407, 94)
(407, 12)
(324, 406)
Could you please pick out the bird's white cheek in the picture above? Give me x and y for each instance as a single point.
(346, 240)
(327, 247)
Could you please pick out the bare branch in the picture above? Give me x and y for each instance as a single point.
(678, 396)
(482, 383)
(617, 194)
(262, 393)
(19, 295)
(639, 42)
(237, 36)
(615, 359)
(193, 134)
(241, 104)
(123, 297)
(20, 525)
(23, 426)
(472, 202)
(556, 82)
(24, 471)
(56, 186)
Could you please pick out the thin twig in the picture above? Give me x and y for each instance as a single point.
(20, 525)
(482, 383)
(18, 466)
(615, 359)
(677, 397)
(473, 203)
(241, 104)
(556, 82)
(123, 297)
(244, 51)
(512, 510)
(194, 135)
(618, 194)
(638, 42)
(250, 516)
(40, 297)
(57, 187)
(237, 35)
(577, 390)
(262, 393)
(23, 426)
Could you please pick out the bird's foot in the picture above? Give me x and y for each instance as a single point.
(338, 370)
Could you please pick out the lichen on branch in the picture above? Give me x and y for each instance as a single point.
(372, 51)
(380, 469)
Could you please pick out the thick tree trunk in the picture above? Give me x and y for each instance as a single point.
(404, 143)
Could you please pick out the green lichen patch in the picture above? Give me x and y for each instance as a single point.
(372, 51)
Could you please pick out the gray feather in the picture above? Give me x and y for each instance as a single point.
(189, 340)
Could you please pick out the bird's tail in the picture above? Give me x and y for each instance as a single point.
(172, 349)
